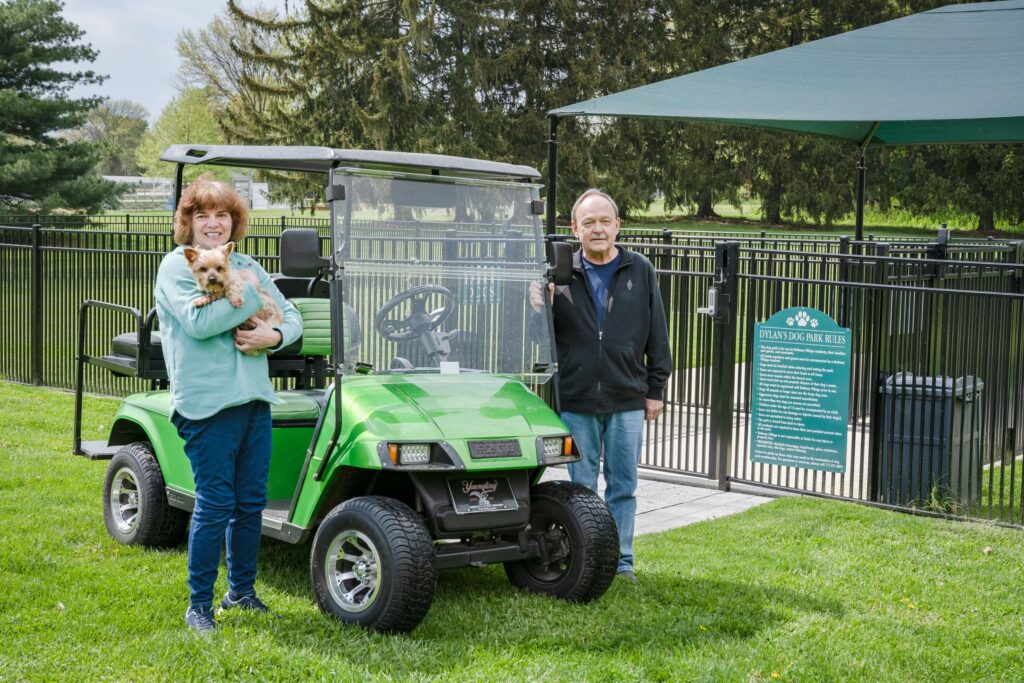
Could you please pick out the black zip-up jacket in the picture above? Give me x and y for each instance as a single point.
(616, 368)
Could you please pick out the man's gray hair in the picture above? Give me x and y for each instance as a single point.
(590, 193)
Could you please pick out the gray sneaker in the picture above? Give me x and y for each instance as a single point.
(626, 574)
(200, 620)
(249, 603)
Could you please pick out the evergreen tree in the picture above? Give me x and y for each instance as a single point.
(948, 181)
(470, 79)
(38, 167)
(477, 79)
(338, 74)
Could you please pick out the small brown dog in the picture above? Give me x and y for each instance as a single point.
(212, 270)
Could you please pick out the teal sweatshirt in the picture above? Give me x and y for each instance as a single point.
(207, 373)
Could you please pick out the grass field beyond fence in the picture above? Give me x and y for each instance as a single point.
(795, 590)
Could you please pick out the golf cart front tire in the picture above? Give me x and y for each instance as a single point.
(581, 544)
(373, 564)
(135, 507)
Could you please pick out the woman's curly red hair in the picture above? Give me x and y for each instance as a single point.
(207, 193)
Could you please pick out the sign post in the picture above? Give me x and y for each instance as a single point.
(801, 391)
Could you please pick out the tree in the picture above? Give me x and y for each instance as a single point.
(801, 177)
(186, 119)
(334, 74)
(211, 61)
(477, 79)
(450, 77)
(948, 181)
(117, 127)
(39, 168)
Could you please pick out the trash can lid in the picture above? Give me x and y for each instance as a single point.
(907, 384)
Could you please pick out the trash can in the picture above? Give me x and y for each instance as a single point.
(930, 451)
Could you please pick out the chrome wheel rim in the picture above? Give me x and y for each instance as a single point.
(125, 506)
(353, 570)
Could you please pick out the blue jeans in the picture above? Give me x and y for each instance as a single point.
(619, 436)
(230, 457)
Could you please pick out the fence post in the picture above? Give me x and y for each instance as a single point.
(723, 362)
(939, 252)
(1017, 256)
(664, 263)
(881, 318)
(844, 275)
(37, 305)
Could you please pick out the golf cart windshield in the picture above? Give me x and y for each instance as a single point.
(437, 272)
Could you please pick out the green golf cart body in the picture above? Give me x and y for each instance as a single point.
(409, 436)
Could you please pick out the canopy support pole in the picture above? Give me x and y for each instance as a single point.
(861, 177)
(861, 174)
(552, 172)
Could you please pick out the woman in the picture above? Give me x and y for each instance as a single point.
(220, 397)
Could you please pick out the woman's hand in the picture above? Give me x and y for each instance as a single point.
(262, 336)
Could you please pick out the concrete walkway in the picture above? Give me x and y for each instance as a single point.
(663, 505)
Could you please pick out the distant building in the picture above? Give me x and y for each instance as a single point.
(155, 194)
(144, 193)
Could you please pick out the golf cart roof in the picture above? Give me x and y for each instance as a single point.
(322, 159)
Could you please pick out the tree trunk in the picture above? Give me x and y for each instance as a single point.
(986, 222)
(771, 204)
(705, 207)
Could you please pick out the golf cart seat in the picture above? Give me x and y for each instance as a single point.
(304, 361)
(127, 345)
(301, 287)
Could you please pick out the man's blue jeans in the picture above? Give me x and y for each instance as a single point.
(230, 457)
(619, 436)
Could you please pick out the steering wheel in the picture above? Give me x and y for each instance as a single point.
(419, 320)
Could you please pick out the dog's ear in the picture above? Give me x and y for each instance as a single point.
(228, 248)
(191, 254)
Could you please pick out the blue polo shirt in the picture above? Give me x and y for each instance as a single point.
(599, 277)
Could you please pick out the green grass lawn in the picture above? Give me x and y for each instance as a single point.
(798, 590)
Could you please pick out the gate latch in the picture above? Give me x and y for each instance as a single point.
(712, 307)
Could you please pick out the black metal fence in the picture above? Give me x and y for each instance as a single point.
(932, 309)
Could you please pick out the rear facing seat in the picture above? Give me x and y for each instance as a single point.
(304, 361)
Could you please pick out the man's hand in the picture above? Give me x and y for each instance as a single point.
(653, 410)
(263, 336)
(537, 295)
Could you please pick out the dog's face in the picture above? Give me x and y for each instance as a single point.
(210, 267)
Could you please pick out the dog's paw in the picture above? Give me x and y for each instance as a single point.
(201, 301)
(237, 301)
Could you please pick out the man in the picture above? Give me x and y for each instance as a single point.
(613, 358)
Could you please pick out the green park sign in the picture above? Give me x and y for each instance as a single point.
(800, 393)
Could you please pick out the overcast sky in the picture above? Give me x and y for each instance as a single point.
(136, 42)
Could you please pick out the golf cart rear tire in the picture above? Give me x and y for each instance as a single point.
(373, 564)
(577, 521)
(135, 507)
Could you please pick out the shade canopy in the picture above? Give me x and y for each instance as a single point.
(950, 75)
(323, 159)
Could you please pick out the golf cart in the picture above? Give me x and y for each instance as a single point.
(410, 436)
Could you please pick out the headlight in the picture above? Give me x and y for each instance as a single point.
(409, 453)
(556, 449)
